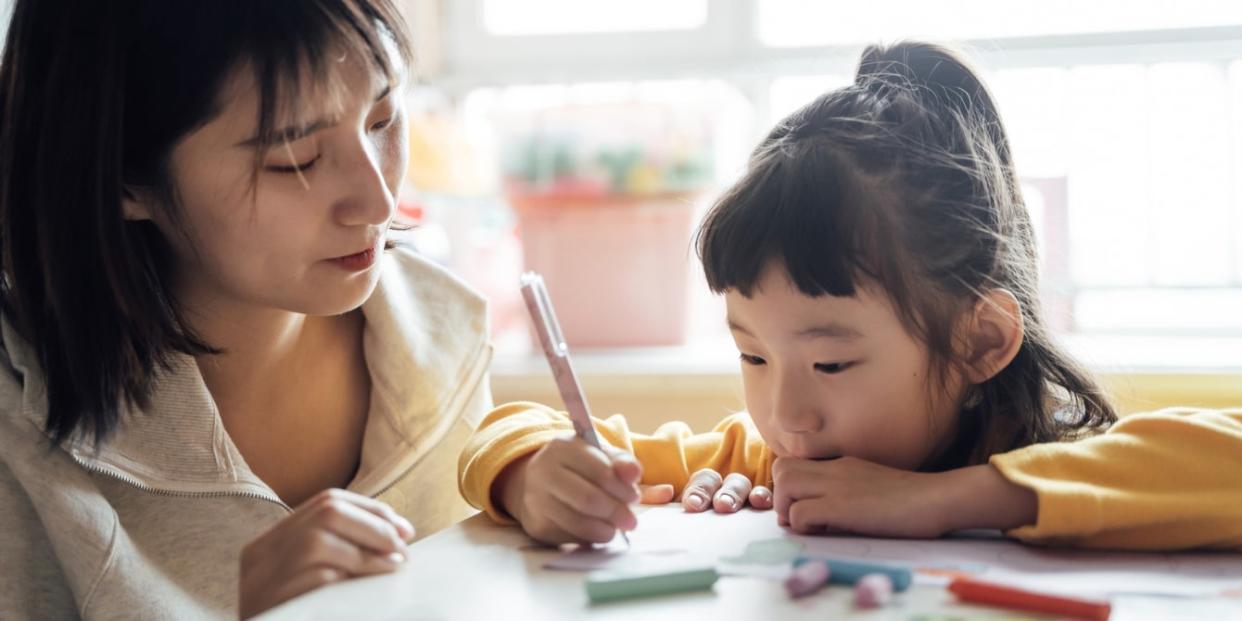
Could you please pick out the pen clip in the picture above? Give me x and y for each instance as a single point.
(548, 327)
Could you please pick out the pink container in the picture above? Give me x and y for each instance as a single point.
(617, 267)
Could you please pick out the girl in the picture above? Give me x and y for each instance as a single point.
(216, 371)
(879, 273)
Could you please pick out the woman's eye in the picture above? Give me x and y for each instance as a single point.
(294, 168)
(832, 368)
(752, 360)
(381, 124)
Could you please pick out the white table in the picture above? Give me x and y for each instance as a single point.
(477, 570)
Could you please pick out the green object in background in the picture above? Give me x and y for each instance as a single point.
(611, 586)
(618, 163)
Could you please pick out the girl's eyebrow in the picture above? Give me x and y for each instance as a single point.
(297, 132)
(830, 330)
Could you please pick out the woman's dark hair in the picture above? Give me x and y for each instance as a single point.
(94, 95)
(905, 179)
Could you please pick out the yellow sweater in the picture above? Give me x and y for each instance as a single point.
(1163, 480)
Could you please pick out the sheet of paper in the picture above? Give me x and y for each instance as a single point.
(667, 536)
(617, 556)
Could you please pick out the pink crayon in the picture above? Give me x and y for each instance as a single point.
(807, 578)
(873, 591)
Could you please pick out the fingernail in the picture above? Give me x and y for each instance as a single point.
(729, 500)
(764, 494)
(695, 500)
(396, 558)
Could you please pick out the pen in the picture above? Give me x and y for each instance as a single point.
(557, 351)
(1001, 596)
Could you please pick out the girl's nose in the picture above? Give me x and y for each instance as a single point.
(795, 413)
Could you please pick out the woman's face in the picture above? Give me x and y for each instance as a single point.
(304, 233)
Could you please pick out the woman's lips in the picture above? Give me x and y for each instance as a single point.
(357, 262)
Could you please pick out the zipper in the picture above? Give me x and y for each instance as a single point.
(174, 493)
(481, 365)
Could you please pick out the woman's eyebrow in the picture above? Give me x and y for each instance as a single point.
(297, 132)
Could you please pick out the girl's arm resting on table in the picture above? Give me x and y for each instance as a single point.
(1162, 480)
(1166, 480)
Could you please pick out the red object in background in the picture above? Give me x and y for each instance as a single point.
(410, 212)
(617, 267)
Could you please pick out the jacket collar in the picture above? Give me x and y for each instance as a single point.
(426, 348)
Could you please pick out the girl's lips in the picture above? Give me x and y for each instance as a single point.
(357, 262)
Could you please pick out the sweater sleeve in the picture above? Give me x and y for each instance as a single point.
(1165, 480)
(670, 455)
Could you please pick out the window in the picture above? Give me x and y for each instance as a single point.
(551, 17)
(792, 23)
(1125, 117)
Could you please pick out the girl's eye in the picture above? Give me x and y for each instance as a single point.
(832, 368)
(295, 168)
(752, 360)
(382, 124)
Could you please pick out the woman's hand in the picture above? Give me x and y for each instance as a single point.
(707, 489)
(861, 497)
(569, 491)
(331, 537)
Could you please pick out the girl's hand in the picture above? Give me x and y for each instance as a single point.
(331, 537)
(569, 491)
(728, 495)
(861, 497)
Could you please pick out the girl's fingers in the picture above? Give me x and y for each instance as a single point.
(699, 491)
(733, 493)
(627, 469)
(593, 465)
(781, 501)
(656, 494)
(586, 499)
(579, 527)
(760, 497)
(810, 517)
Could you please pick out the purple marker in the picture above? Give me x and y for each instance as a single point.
(807, 578)
(873, 591)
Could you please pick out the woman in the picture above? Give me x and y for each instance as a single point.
(206, 334)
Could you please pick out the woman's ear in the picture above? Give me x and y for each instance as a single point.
(135, 204)
(994, 335)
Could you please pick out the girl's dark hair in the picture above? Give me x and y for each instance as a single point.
(94, 95)
(905, 178)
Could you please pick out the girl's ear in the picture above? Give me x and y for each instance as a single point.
(994, 335)
(135, 205)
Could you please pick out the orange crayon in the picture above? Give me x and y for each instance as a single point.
(1001, 596)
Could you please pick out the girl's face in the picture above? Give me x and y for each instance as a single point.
(832, 376)
(307, 243)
